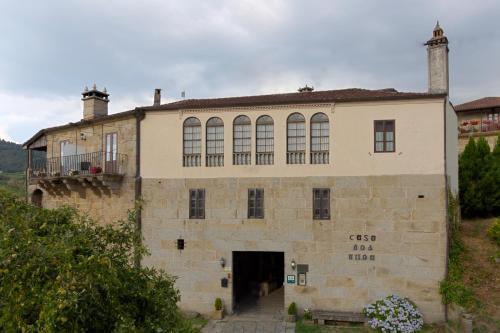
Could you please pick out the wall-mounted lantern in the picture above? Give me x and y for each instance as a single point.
(293, 264)
(222, 262)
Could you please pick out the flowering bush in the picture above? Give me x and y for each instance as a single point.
(394, 314)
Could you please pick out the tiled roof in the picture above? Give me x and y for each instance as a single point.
(482, 103)
(113, 116)
(327, 96)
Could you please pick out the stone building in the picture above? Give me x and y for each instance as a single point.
(89, 164)
(330, 199)
(479, 118)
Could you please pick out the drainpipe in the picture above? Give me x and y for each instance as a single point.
(139, 116)
(447, 191)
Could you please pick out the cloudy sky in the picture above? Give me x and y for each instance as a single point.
(49, 50)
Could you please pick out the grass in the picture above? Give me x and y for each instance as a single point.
(198, 322)
(301, 327)
(13, 182)
(482, 273)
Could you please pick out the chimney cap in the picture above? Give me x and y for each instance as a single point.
(94, 92)
(438, 36)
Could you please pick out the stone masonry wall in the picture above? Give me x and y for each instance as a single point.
(463, 140)
(409, 244)
(104, 205)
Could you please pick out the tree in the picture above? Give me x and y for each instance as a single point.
(491, 181)
(61, 272)
(468, 174)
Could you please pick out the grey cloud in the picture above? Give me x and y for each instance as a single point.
(221, 48)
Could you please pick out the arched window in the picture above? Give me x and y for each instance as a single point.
(215, 142)
(265, 140)
(242, 140)
(320, 134)
(192, 142)
(296, 139)
(37, 198)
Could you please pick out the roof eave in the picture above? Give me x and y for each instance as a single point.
(172, 107)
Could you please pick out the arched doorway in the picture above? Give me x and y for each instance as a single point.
(36, 197)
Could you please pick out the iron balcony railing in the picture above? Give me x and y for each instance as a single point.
(82, 164)
(474, 126)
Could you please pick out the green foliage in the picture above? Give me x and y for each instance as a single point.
(308, 314)
(292, 309)
(494, 232)
(452, 288)
(12, 157)
(479, 179)
(61, 272)
(13, 183)
(218, 304)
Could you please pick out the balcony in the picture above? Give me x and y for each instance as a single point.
(98, 171)
(479, 126)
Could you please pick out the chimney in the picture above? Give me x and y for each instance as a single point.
(437, 58)
(157, 97)
(95, 103)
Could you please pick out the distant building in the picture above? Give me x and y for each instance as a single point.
(330, 199)
(479, 118)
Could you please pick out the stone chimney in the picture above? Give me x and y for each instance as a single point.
(95, 103)
(157, 97)
(437, 58)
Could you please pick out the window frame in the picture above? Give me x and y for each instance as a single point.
(312, 137)
(253, 213)
(185, 155)
(321, 215)
(242, 120)
(199, 202)
(384, 141)
(290, 121)
(261, 122)
(208, 155)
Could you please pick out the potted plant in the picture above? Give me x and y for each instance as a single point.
(95, 169)
(308, 317)
(292, 313)
(219, 309)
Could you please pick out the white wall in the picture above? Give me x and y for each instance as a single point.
(452, 148)
(419, 141)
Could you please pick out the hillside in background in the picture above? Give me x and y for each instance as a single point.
(12, 157)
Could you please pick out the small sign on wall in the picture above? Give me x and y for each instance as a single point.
(302, 279)
(290, 279)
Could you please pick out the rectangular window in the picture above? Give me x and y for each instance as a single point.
(256, 203)
(321, 203)
(111, 165)
(385, 141)
(197, 204)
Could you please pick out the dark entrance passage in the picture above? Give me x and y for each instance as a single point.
(258, 282)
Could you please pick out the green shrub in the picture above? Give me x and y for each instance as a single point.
(61, 272)
(292, 309)
(452, 288)
(479, 179)
(494, 232)
(308, 314)
(218, 304)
